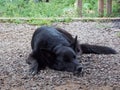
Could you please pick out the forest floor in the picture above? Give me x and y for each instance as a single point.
(101, 72)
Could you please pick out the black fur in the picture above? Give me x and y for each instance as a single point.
(87, 49)
(57, 49)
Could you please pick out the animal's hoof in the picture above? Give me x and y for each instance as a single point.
(33, 71)
(33, 68)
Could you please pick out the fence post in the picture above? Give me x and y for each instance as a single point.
(79, 7)
(109, 7)
(101, 8)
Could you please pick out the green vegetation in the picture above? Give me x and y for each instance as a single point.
(35, 21)
(55, 8)
(90, 8)
(116, 8)
(22, 8)
(118, 34)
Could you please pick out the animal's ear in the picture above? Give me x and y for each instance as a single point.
(74, 44)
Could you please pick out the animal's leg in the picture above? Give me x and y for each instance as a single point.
(33, 65)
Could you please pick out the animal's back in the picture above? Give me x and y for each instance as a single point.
(48, 36)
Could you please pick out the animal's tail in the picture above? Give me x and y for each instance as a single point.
(87, 49)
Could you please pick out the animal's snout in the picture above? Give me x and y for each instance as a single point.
(79, 68)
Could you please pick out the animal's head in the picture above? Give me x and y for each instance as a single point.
(66, 58)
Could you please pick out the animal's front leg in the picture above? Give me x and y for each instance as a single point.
(33, 65)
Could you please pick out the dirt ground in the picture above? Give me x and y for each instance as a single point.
(101, 72)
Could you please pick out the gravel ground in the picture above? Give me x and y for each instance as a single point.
(101, 72)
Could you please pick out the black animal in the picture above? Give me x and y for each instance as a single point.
(57, 49)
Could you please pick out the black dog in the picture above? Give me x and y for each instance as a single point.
(57, 49)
